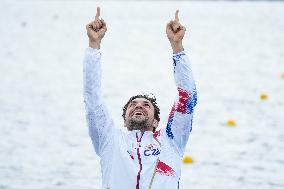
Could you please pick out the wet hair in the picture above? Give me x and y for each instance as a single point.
(149, 97)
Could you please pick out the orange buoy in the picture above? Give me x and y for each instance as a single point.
(263, 96)
(187, 159)
(231, 123)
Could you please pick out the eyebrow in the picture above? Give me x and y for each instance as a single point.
(145, 101)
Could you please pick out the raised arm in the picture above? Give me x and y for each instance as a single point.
(99, 122)
(180, 119)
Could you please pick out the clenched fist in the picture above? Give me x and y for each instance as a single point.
(96, 31)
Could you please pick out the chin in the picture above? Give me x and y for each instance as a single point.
(137, 123)
(138, 118)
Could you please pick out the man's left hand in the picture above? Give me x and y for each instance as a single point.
(175, 33)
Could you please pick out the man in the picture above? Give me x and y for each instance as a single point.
(141, 158)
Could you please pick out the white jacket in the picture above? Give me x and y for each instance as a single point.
(132, 160)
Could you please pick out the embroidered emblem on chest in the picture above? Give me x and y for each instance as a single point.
(151, 150)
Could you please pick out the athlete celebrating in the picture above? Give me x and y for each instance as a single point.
(142, 158)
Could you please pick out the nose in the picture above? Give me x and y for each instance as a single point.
(138, 105)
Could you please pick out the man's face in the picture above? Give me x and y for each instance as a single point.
(140, 115)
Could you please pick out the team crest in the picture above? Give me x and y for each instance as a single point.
(151, 150)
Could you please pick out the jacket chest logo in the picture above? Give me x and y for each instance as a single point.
(151, 150)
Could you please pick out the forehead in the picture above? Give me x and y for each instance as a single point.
(141, 100)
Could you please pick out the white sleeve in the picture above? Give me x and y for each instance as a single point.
(179, 123)
(98, 119)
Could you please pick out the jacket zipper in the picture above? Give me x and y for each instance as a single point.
(139, 160)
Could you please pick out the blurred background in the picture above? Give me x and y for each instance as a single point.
(236, 50)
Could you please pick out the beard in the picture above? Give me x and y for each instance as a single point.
(137, 123)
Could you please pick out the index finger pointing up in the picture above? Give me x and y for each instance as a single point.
(176, 15)
(98, 13)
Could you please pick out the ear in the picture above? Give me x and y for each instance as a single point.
(155, 123)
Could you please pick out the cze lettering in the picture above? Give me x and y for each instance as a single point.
(153, 152)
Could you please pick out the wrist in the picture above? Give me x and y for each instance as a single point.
(94, 44)
(177, 47)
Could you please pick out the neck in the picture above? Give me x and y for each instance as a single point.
(143, 130)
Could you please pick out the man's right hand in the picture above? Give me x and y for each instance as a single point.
(96, 31)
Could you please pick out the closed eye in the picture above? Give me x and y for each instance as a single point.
(147, 105)
(132, 104)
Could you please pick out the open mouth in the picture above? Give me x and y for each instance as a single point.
(138, 113)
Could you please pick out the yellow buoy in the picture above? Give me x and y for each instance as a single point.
(282, 75)
(231, 123)
(263, 96)
(187, 159)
